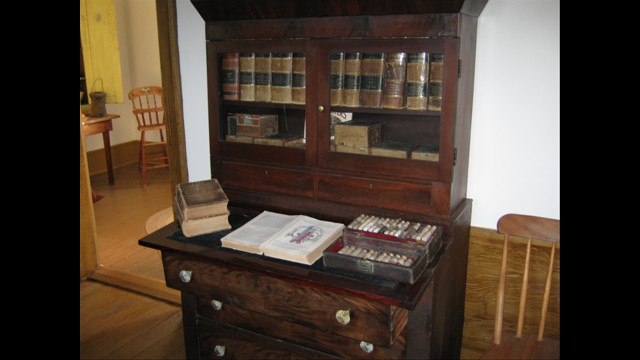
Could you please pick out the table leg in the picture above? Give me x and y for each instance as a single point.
(107, 155)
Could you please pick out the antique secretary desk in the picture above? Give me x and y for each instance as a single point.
(240, 305)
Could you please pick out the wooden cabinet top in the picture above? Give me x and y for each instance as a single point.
(225, 10)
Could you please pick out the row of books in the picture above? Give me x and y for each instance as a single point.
(410, 81)
(201, 207)
(265, 77)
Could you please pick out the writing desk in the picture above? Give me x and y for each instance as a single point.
(97, 125)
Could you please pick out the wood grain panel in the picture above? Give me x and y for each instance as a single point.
(286, 299)
(263, 178)
(296, 333)
(485, 254)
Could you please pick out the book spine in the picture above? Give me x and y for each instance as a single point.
(417, 80)
(298, 79)
(263, 77)
(351, 92)
(435, 82)
(337, 78)
(281, 66)
(247, 76)
(232, 125)
(371, 79)
(230, 76)
(395, 68)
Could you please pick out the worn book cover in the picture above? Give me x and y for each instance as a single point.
(298, 79)
(230, 76)
(256, 125)
(417, 80)
(199, 226)
(336, 78)
(393, 149)
(435, 82)
(248, 76)
(371, 79)
(351, 92)
(281, 67)
(200, 199)
(263, 76)
(395, 68)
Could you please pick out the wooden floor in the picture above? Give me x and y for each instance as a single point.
(121, 217)
(120, 324)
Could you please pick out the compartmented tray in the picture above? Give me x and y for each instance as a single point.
(375, 254)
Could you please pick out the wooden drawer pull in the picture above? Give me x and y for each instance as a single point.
(366, 347)
(219, 350)
(343, 316)
(217, 305)
(185, 275)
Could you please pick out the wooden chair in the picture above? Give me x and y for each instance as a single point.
(148, 107)
(519, 346)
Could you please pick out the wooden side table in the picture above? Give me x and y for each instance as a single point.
(97, 125)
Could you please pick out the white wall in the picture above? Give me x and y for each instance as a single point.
(515, 134)
(137, 29)
(515, 155)
(193, 72)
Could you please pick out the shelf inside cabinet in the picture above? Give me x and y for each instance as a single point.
(385, 111)
(259, 104)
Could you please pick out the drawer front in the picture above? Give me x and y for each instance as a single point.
(222, 343)
(286, 299)
(269, 179)
(369, 192)
(335, 345)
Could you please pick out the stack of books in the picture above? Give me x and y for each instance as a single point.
(201, 207)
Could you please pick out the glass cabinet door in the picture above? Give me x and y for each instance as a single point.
(259, 97)
(386, 109)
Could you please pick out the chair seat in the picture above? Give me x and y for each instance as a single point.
(525, 347)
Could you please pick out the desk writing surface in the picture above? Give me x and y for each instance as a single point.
(170, 238)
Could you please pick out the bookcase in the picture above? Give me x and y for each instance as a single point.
(373, 106)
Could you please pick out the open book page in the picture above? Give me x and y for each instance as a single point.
(303, 240)
(254, 233)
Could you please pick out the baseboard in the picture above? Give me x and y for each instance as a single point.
(121, 155)
(141, 284)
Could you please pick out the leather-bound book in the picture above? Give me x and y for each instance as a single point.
(298, 79)
(281, 66)
(263, 77)
(230, 76)
(371, 79)
(435, 82)
(417, 80)
(336, 78)
(351, 92)
(395, 67)
(248, 76)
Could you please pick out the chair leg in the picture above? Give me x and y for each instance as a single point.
(143, 161)
(164, 147)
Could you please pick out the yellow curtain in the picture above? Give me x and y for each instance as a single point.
(100, 48)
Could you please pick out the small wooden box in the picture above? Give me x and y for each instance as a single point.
(252, 125)
(358, 133)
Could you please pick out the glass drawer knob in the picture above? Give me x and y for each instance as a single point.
(219, 350)
(366, 347)
(343, 316)
(185, 275)
(217, 305)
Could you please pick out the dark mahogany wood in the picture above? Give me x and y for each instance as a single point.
(278, 309)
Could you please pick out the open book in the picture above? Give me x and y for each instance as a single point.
(296, 238)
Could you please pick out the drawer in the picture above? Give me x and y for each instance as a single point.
(377, 193)
(214, 310)
(223, 343)
(269, 179)
(287, 299)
